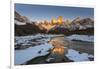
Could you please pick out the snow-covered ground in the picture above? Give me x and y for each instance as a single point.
(23, 42)
(81, 38)
(76, 56)
(26, 40)
(21, 56)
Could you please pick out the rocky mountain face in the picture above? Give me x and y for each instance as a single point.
(23, 26)
(77, 26)
(80, 24)
(46, 26)
(84, 21)
(19, 19)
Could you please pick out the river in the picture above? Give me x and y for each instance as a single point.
(76, 50)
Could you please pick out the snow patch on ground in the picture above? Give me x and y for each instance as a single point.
(21, 56)
(76, 56)
(26, 40)
(81, 38)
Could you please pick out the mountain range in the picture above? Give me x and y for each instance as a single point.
(23, 26)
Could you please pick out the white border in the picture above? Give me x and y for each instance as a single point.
(77, 3)
(73, 3)
(12, 34)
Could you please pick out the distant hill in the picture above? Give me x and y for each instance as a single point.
(28, 29)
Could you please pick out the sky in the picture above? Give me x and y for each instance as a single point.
(47, 12)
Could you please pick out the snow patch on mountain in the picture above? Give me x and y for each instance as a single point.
(19, 23)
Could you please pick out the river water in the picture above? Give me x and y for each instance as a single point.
(87, 47)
